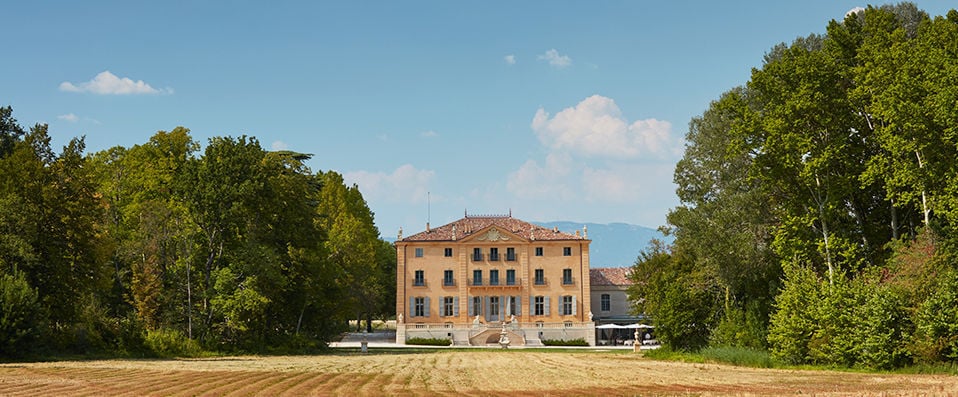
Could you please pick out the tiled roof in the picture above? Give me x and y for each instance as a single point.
(609, 276)
(470, 225)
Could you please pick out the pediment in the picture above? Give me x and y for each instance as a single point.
(493, 234)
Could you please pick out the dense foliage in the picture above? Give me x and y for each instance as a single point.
(820, 202)
(162, 249)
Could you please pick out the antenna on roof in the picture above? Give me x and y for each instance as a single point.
(428, 211)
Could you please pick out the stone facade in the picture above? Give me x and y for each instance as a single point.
(472, 278)
(610, 301)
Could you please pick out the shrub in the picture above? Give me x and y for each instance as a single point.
(429, 341)
(19, 314)
(171, 343)
(791, 325)
(936, 323)
(563, 342)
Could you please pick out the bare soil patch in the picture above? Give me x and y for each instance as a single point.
(446, 372)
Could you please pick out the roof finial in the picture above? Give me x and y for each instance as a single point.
(585, 231)
(399, 236)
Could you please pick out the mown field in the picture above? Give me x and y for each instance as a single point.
(445, 372)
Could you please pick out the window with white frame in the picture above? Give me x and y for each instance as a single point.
(567, 305)
(419, 306)
(448, 306)
(447, 278)
(539, 307)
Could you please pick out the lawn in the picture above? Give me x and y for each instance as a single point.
(450, 372)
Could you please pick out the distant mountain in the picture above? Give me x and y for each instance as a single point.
(613, 244)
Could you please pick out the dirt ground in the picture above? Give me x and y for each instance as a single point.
(446, 372)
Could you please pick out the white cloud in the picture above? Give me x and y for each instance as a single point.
(617, 183)
(595, 127)
(406, 184)
(559, 61)
(106, 83)
(69, 117)
(549, 181)
(429, 134)
(279, 145)
(854, 11)
(510, 59)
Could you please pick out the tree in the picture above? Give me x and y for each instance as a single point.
(680, 299)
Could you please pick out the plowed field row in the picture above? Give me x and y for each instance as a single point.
(449, 373)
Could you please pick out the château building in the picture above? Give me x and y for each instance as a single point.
(480, 278)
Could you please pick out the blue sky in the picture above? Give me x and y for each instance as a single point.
(553, 110)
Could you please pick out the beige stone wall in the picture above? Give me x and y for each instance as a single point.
(433, 263)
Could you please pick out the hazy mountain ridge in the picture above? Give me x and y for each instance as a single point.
(613, 244)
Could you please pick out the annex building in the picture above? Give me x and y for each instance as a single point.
(483, 277)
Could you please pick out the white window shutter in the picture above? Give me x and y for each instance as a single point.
(532, 305)
(471, 309)
(455, 306)
(545, 311)
(574, 309)
(518, 299)
(412, 306)
(425, 310)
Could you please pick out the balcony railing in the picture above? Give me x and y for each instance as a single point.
(490, 284)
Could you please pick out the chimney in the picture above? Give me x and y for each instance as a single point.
(585, 231)
(427, 227)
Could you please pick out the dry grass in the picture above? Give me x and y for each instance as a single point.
(445, 372)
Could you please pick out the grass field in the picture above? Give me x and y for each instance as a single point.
(445, 372)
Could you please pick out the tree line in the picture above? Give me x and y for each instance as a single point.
(819, 203)
(162, 248)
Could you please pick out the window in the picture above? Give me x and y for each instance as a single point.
(420, 279)
(606, 302)
(540, 277)
(538, 251)
(448, 306)
(419, 307)
(539, 306)
(514, 303)
(477, 277)
(510, 254)
(566, 251)
(493, 314)
(567, 305)
(447, 252)
(493, 254)
(511, 277)
(475, 307)
(419, 252)
(476, 254)
(493, 277)
(566, 276)
(447, 278)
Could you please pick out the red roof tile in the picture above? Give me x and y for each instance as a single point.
(470, 225)
(609, 276)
